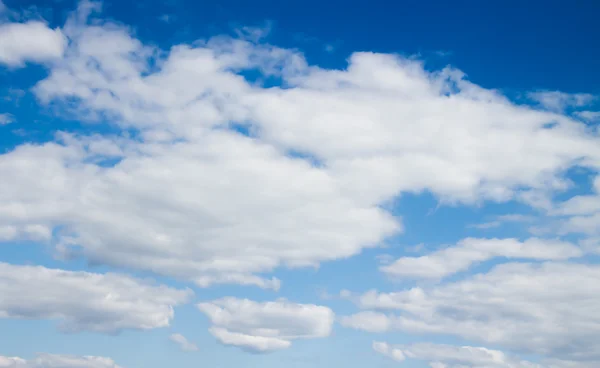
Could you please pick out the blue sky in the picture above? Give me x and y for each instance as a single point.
(301, 184)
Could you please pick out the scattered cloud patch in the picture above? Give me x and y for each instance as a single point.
(546, 309)
(83, 301)
(6, 118)
(265, 327)
(58, 361)
(447, 356)
(33, 41)
(470, 251)
(589, 115)
(183, 342)
(559, 101)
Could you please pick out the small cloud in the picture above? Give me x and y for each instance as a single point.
(486, 225)
(329, 48)
(588, 115)
(345, 294)
(167, 18)
(183, 343)
(499, 220)
(384, 258)
(416, 248)
(515, 217)
(559, 101)
(442, 53)
(6, 119)
(14, 95)
(254, 34)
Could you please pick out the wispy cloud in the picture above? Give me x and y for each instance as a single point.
(559, 101)
(183, 342)
(6, 119)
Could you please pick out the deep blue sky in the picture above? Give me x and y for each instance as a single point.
(517, 45)
(510, 44)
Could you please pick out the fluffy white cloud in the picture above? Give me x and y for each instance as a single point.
(85, 301)
(32, 41)
(447, 356)
(219, 209)
(191, 198)
(58, 361)
(548, 309)
(268, 326)
(183, 342)
(469, 251)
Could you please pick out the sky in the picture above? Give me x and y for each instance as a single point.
(299, 184)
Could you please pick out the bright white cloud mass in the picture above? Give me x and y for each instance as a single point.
(32, 41)
(207, 177)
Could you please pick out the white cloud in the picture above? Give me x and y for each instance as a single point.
(85, 301)
(220, 209)
(58, 361)
(581, 213)
(31, 41)
(559, 101)
(470, 251)
(268, 326)
(389, 351)
(501, 220)
(548, 309)
(6, 118)
(192, 199)
(447, 356)
(183, 342)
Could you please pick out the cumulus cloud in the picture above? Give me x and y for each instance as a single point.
(447, 356)
(32, 41)
(224, 181)
(470, 251)
(183, 342)
(58, 361)
(215, 210)
(265, 327)
(547, 309)
(85, 301)
(193, 198)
